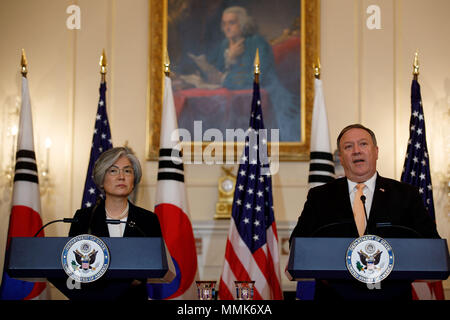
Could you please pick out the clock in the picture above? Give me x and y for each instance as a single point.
(226, 185)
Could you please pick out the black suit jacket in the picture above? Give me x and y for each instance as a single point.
(146, 221)
(92, 221)
(397, 211)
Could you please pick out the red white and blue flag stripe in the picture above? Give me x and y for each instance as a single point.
(252, 252)
(25, 219)
(171, 207)
(101, 141)
(416, 171)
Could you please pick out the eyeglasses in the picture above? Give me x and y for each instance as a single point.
(115, 171)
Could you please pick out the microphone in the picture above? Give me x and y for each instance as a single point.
(334, 229)
(91, 220)
(65, 220)
(389, 230)
(131, 224)
(363, 200)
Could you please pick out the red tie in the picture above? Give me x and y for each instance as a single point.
(358, 209)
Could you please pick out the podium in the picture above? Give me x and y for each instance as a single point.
(324, 258)
(37, 259)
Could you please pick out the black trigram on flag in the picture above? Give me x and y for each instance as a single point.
(26, 168)
(170, 165)
(321, 168)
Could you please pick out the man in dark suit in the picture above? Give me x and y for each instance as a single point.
(393, 209)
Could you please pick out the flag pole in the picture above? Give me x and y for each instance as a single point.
(103, 64)
(24, 64)
(257, 69)
(166, 63)
(316, 68)
(101, 140)
(416, 66)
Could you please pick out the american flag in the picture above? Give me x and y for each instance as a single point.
(416, 171)
(101, 141)
(252, 245)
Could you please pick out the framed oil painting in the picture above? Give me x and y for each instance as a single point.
(212, 46)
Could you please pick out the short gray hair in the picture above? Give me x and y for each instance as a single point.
(247, 24)
(108, 158)
(356, 126)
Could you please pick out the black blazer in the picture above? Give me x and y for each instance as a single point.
(146, 221)
(92, 221)
(397, 211)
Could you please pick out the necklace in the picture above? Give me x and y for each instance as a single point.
(122, 215)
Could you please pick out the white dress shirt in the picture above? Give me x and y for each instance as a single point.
(117, 230)
(368, 191)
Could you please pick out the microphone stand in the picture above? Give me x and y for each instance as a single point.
(363, 200)
(65, 220)
(131, 224)
(417, 234)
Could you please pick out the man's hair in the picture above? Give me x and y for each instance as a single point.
(356, 126)
(247, 24)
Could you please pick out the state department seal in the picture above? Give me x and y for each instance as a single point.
(369, 259)
(85, 258)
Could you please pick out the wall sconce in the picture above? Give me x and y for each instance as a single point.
(9, 170)
(43, 166)
(44, 169)
(9, 118)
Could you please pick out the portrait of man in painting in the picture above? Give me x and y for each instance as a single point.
(212, 46)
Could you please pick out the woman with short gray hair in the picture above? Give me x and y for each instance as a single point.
(107, 160)
(116, 173)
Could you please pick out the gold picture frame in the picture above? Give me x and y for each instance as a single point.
(309, 48)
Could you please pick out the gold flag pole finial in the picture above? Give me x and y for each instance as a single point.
(317, 69)
(416, 65)
(23, 64)
(102, 64)
(166, 63)
(257, 66)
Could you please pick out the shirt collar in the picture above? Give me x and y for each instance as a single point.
(369, 183)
